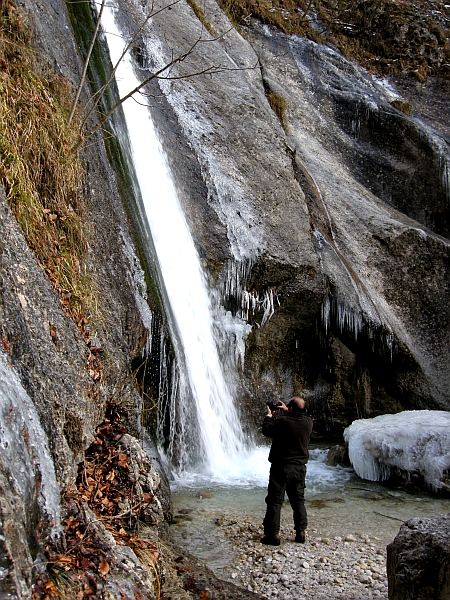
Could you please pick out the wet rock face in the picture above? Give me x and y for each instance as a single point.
(418, 560)
(395, 161)
(15, 558)
(340, 212)
(30, 307)
(376, 186)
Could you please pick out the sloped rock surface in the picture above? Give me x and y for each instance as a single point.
(340, 212)
(375, 182)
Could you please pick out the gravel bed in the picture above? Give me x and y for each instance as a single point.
(351, 567)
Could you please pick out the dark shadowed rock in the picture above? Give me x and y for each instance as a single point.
(418, 560)
(338, 455)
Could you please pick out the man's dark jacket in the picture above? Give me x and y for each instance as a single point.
(290, 435)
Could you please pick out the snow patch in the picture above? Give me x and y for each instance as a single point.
(413, 441)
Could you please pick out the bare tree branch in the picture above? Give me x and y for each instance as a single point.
(98, 95)
(164, 73)
(86, 63)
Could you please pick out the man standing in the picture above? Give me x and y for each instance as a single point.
(290, 433)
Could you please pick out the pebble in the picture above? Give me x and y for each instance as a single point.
(350, 567)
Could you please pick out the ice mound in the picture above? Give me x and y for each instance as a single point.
(414, 440)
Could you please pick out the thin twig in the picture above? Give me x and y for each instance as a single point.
(388, 517)
(99, 94)
(124, 514)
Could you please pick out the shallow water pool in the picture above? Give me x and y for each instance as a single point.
(337, 500)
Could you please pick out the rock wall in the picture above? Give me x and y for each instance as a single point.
(337, 209)
(375, 182)
(55, 362)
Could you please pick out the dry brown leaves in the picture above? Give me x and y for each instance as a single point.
(103, 484)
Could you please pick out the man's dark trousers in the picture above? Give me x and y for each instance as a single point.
(289, 479)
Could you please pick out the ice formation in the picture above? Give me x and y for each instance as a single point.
(24, 451)
(413, 441)
(252, 302)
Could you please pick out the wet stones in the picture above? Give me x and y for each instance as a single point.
(350, 567)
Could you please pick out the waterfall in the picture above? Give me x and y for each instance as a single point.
(208, 435)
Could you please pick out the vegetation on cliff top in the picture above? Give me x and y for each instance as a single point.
(385, 36)
(41, 178)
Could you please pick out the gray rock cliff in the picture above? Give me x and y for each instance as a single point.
(333, 224)
(340, 212)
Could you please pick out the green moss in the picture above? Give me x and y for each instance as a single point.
(278, 105)
(404, 107)
(99, 69)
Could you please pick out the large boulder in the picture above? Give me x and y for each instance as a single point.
(418, 560)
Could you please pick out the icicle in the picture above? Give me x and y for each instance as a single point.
(445, 175)
(326, 310)
(267, 305)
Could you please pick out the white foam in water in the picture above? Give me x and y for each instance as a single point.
(221, 441)
(321, 477)
(417, 440)
(253, 471)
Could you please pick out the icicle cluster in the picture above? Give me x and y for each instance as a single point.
(355, 322)
(235, 277)
(251, 302)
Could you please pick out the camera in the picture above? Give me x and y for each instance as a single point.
(272, 404)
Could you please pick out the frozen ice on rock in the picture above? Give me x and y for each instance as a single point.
(415, 440)
(25, 450)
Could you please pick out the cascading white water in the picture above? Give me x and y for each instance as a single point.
(221, 442)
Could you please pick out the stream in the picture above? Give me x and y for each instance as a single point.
(337, 500)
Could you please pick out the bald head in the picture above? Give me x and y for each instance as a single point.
(297, 403)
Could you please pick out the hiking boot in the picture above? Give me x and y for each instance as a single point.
(300, 537)
(270, 540)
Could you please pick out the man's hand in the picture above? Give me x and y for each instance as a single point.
(269, 413)
(282, 406)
